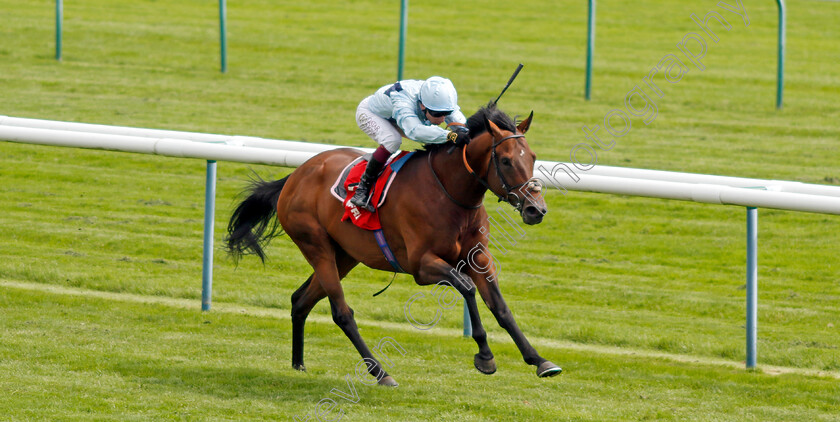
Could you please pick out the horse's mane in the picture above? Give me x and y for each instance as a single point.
(475, 123)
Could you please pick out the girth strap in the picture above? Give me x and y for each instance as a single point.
(386, 250)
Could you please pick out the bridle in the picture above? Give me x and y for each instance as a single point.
(510, 195)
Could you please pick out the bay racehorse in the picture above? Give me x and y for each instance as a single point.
(433, 218)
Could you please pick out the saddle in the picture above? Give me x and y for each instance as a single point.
(348, 179)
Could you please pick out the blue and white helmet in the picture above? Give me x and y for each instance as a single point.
(439, 94)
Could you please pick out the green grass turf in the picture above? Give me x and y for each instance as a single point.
(640, 300)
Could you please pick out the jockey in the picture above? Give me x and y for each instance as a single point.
(411, 109)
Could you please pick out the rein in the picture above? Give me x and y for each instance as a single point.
(437, 179)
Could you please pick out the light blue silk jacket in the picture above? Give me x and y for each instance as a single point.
(403, 108)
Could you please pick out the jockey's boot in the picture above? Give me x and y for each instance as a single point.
(361, 198)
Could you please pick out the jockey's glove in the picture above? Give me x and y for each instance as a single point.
(460, 135)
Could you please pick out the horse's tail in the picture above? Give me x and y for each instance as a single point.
(253, 223)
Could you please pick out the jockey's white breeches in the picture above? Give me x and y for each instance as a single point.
(381, 130)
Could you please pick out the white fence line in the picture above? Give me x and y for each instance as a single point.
(738, 182)
(548, 168)
(235, 140)
(704, 193)
(762, 193)
(159, 146)
(712, 189)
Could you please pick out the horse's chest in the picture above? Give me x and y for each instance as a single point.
(451, 242)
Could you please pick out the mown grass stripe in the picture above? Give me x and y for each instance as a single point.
(262, 312)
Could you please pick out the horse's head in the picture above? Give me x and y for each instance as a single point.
(510, 168)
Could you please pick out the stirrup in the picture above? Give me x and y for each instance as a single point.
(362, 199)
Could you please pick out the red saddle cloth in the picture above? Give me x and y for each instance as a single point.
(360, 217)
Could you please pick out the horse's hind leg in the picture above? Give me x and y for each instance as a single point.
(303, 300)
(320, 251)
(343, 317)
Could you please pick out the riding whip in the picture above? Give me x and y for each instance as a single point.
(510, 81)
(516, 72)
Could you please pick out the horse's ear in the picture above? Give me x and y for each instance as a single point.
(486, 124)
(493, 129)
(525, 124)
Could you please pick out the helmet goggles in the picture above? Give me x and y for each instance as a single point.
(435, 113)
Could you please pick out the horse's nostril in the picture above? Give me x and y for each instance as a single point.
(532, 213)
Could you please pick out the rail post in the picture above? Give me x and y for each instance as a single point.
(223, 34)
(752, 285)
(780, 69)
(403, 34)
(59, 16)
(467, 322)
(209, 219)
(590, 48)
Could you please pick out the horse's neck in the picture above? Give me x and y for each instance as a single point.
(478, 154)
(453, 174)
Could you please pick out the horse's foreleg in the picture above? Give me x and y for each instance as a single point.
(435, 270)
(482, 271)
(496, 303)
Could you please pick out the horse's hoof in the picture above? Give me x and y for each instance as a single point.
(299, 367)
(388, 381)
(485, 366)
(548, 369)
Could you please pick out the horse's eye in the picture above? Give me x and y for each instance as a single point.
(505, 161)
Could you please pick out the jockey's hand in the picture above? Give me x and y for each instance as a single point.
(459, 135)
